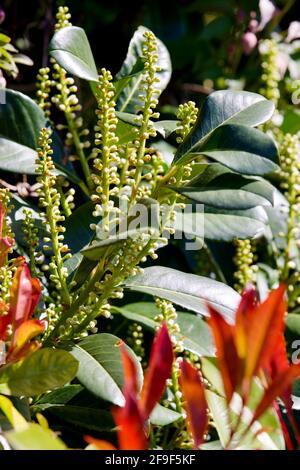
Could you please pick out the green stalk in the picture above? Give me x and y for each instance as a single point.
(55, 246)
(83, 161)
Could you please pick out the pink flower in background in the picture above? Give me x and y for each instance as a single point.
(2, 15)
(293, 31)
(267, 11)
(249, 42)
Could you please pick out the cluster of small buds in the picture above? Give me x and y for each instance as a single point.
(187, 115)
(135, 340)
(66, 195)
(72, 329)
(65, 98)
(6, 276)
(44, 84)
(106, 158)
(270, 71)
(149, 93)
(63, 17)
(193, 359)
(49, 200)
(290, 174)
(52, 314)
(6, 272)
(5, 203)
(31, 237)
(169, 315)
(244, 259)
(153, 169)
(148, 97)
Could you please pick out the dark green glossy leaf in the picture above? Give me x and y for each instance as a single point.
(136, 70)
(21, 120)
(219, 187)
(62, 395)
(100, 366)
(128, 98)
(187, 290)
(222, 225)
(210, 223)
(71, 49)
(242, 148)
(225, 107)
(193, 330)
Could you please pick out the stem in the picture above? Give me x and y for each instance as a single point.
(175, 389)
(80, 152)
(55, 246)
(78, 302)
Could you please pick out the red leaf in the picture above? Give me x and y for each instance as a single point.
(130, 371)
(25, 293)
(99, 443)
(35, 294)
(5, 320)
(281, 383)
(159, 370)
(195, 401)
(228, 360)
(264, 328)
(5, 245)
(130, 422)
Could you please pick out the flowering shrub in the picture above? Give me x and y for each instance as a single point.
(116, 205)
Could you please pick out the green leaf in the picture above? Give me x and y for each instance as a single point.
(34, 437)
(61, 396)
(193, 330)
(143, 217)
(291, 121)
(136, 70)
(162, 416)
(4, 39)
(225, 107)
(212, 223)
(16, 158)
(78, 231)
(219, 187)
(71, 49)
(292, 323)
(222, 225)
(45, 369)
(187, 290)
(165, 128)
(79, 234)
(128, 98)
(242, 148)
(21, 120)
(100, 366)
(17, 421)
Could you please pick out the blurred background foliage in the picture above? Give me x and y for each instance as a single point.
(211, 42)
